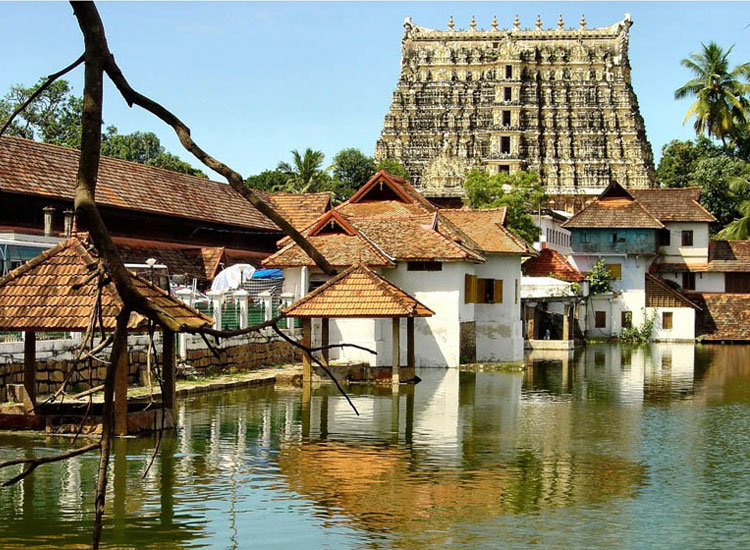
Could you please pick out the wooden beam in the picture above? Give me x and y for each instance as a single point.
(306, 341)
(29, 369)
(410, 359)
(168, 369)
(121, 393)
(396, 353)
(324, 339)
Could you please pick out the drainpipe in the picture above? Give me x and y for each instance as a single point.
(48, 213)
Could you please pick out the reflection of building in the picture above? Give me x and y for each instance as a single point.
(559, 101)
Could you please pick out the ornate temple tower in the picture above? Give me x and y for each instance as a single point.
(558, 101)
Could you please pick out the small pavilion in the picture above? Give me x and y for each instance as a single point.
(57, 292)
(358, 292)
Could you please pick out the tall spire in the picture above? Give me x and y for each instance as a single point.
(473, 23)
(494, 22)
(516, 22)
(450, 23)
(560, 22)
(539, 22)
(583, 21)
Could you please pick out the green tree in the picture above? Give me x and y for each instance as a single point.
(53, 117)
(393, 167)
(268, 180)
(144, 148)
(305, 173)
(678, 160)
(721, 105)
(519, 192)
(713, 175)
(352, 169)
(599, 278)
(739, 228)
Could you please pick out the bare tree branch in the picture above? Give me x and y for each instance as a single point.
(50, 79)
(34, 463)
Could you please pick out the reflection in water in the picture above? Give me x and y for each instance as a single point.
(614, 446)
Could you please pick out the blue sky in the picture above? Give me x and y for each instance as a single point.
(254, 80)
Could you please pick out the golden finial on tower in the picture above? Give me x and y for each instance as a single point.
(494, 22)
(473, 23)
(560, 22)
(539, 22)
(450, 23)
(516, 22)
(583, 21)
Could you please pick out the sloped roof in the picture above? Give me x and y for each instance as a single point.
(358, 292)
(487, 229)
(724, 317)
(55, 292)
(300, 209)
(405, 200)
(615, 208)
(660, 294)
(32, 168)
(729, 256)
(550, 263)
(674, 204)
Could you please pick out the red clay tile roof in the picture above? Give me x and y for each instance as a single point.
(660, 294)
(671, 267)
(28, 167)
(673, 205)
(550, 263)
(486, 228)
(615, 208)
(729, 256)
(386, 195)
(300, 209)
(358, 292)
(724, 316)
(41, 295)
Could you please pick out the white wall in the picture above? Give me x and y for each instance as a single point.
(683, 323)
(704, 282)
(547, 225)
(676, 253)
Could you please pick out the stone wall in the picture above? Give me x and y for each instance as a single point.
(234, 357)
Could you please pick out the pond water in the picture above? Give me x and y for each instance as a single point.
(616, 447)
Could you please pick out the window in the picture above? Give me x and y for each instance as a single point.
(424, 266)
(506, 118)
(688, 281)
(482, 291)
(737, 282)
(505, 144)
(509, 71)
(665, 237)
(507, 93)
(503, 169)
(615, 271)
(666, 320)
(600, 319)
(585, 237)
(613, 237)
(687, 237)
(626, 319)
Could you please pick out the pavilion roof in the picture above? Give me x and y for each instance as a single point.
(57, 290)
(550, 263)
(615, 208)
(358, 292)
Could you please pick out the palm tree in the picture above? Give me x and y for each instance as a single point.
(721, 104)
(306, 171)
(739, 229)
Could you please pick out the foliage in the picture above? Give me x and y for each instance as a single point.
(714, 176)
(393, 167)
(306, 173)
(144, 148)
(721, 105)
(352, 169)
(739, 228)
(54, 117)
(599, 278)
(519, 192)
(268, 180)
(639, 334)
(678, 159)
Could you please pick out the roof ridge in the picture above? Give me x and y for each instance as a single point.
(672, 291)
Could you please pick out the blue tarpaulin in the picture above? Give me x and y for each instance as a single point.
(268, 274)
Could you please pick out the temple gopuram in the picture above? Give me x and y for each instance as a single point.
(558, 101)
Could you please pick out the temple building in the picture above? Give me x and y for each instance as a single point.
(558, 101)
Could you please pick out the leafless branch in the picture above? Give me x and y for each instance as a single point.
(34, 463)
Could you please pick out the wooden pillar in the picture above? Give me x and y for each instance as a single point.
(121, 392)
(531, 331)
(306, 341)
(566, 330)
(29, 369)
(168, 370)
(396, 353)
(410, 361)
(324, 339)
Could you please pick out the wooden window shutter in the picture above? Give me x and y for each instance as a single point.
(498, 291)
(615, 270)
(481, 291)
(470, 289)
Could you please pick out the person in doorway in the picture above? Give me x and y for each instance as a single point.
(547, 334)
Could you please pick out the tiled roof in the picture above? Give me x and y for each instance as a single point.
(28, 167)
(374, 199)
(615, 208)
(672, 267)
(673, 205)
(41, 295)
(729, 256)
(300, 209)
(341, 250)
(487, 229)
(724, 316)
(550, 263)
(358, 292)
(660, 294)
